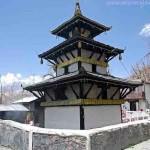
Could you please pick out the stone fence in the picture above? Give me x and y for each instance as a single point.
(117, 137)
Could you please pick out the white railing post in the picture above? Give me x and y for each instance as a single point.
(30, 139)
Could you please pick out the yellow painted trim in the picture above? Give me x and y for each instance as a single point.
(82, 59)
(82, 102)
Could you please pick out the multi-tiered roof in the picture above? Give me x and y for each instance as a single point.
(72, 68)
(74, 30)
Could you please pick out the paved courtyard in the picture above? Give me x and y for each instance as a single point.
(142, 146)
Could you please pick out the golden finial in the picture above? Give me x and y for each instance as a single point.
(77, 9)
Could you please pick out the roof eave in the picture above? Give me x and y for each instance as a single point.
(80, 38)
(73, 19)
(81, 76)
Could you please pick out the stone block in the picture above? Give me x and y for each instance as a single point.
(56, 142)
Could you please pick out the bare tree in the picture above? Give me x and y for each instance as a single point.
(141, 70)
(51, 71)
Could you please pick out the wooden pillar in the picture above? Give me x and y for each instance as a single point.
(79, 55)
(82, 125)
(43, 119)
(82, 107)
(81, 89)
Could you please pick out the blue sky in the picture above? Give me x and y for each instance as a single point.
(25, 31)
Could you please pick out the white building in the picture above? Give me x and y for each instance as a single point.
(139, 99)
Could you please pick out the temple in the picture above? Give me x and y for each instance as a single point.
(82, 95)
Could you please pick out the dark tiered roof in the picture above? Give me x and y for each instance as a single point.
(82, 75)
(81, 21)
(72, 44)
(78, 20)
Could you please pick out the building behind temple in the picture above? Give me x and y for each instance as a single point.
(82, 95)
(139, 99)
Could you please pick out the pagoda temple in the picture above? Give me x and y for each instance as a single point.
(82, 95)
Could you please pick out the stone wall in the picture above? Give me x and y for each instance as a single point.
(18, 136)
(117, 137)
(57, 142)
(13, 137)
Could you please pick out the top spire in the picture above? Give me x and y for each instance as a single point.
(77, 10)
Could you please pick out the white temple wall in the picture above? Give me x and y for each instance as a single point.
(63, 57)
(59, 61)
(101, 70)
(96, 56)
(100, 116)
(111, 91)
(69, 93)
(75, 52)
(51, 93)
(69, 56)
(103, 58)
(62, 117)
(60, 71)
(93, 92)
(73, 67)
(87, 67)
(85, 53)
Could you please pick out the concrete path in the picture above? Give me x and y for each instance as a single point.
(142, 146)
(4, 148)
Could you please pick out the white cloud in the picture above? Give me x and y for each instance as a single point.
(10, 78)
(19, 75)
(145, 30)
(32, 80)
